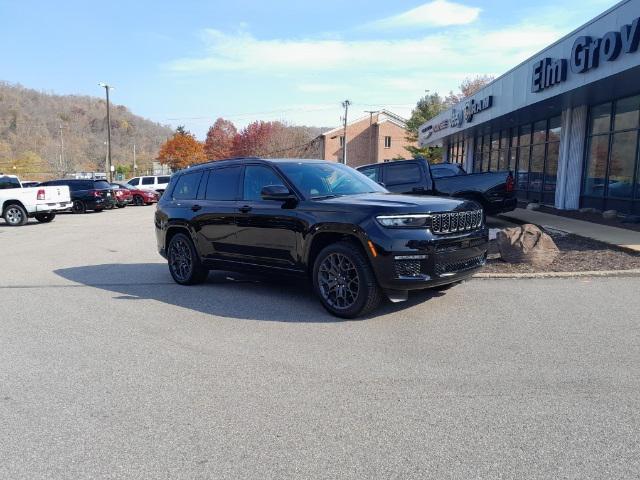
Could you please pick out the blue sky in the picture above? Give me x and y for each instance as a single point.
(188, 62)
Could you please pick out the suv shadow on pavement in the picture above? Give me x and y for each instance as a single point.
(224, 294)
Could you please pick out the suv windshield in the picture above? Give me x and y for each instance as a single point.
(323, 180)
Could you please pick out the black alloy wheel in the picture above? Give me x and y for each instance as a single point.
(138, 201)
(78, 207)
(344, 280)
(184, 263)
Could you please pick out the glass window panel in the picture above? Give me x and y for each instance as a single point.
(256, 177)
(223, 184)
(523, 168)
(504, 139)
(535, 167)
(540, 131)
(486, 143)
(525, 134)
(601, 118)
(627, 113)
(494, 161)
(512, 159)
(187, 186)
(502, 160)
(555, 129)
(495, 141)
(623, 162)
(551, 167)
(596, 165)
(514, 138)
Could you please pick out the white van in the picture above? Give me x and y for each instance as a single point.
(156, 183)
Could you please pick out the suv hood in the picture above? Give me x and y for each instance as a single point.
(401, 203)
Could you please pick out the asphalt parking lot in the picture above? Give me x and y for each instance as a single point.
(110, 370)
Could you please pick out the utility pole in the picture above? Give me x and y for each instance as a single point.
(371, 112)
(61, 150)
(110, 173)
(134, 160)
(345, 105)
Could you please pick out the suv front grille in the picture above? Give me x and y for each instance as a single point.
(456, 221)
(460, 266)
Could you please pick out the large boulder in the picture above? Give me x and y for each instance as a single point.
(526, 244)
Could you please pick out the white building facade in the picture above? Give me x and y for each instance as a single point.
(566, 121)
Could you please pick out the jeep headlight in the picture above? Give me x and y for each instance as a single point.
(403, 221)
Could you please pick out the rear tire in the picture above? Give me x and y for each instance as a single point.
(45, 217)
(138, 201)
(344, 281)
(78, 207)
(184, 262)
(15, 215)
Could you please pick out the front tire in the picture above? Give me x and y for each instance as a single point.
(45, 217)
(344, 281)
(138, 201)
(15, 215)
(184, 262)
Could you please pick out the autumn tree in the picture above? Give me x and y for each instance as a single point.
(219, 141)
(468, 87)
(181, 150)
(253, 140)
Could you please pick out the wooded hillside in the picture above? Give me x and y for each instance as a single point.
(30, 144)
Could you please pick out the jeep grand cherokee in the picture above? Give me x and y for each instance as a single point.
(354, 239)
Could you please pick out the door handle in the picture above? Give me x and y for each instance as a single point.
(195, 208)
(245, 209)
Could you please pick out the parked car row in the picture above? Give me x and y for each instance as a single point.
(44, 200)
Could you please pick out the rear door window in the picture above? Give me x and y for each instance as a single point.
(402, 173)
(223, 184)
(101, 185)
(148, 181)
(187, 186)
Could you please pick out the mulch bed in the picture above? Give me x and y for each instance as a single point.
(590, 217)
(577, 254)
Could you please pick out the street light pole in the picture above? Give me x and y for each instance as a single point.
(110, 173)
(345, 105)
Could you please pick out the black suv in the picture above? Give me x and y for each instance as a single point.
(87, 194)
(354, 239)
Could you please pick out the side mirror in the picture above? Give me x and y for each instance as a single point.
(276, 192)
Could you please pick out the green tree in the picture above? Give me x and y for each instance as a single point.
(427, 107)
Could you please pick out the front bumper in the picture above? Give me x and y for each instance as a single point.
(429, 262)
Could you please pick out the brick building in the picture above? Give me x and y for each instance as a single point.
(373, 138)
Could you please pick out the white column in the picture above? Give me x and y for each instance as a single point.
(571, 161)
(468, 155)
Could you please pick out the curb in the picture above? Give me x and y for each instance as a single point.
(593, 273)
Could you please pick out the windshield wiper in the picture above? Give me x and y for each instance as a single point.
(323, 197)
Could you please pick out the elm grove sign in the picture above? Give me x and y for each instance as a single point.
(587, 54)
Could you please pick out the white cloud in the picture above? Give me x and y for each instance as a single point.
(470, 50)
(438, 13)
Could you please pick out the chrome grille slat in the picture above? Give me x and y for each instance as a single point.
(442, 223)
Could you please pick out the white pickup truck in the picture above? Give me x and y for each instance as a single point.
(18, 204)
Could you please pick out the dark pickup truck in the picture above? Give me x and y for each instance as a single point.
(494, 191)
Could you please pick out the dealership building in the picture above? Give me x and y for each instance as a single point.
(566, 121)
